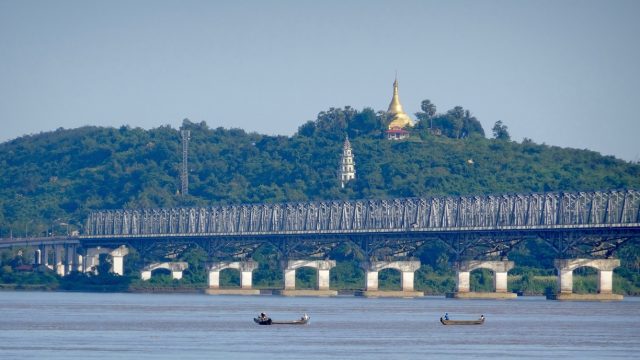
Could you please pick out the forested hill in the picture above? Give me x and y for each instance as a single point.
(57, 177)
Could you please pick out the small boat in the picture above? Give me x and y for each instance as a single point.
(302, 321)
(462, 322)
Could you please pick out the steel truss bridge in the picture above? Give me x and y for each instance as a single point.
(571, 223)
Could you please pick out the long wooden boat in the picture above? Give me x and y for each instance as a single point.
(462, 322)
(302, 321)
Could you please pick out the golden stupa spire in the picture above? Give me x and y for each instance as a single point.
(395, 107)
(399, 119)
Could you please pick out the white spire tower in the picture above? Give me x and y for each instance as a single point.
(347, 165)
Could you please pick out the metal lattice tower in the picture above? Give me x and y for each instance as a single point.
(184, 175)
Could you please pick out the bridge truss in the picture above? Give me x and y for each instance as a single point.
(577, 223)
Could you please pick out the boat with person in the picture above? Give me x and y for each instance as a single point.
(264, 320)
(479, 321)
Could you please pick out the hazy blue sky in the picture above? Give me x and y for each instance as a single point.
(564, 73)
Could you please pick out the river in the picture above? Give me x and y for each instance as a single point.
(59, 325)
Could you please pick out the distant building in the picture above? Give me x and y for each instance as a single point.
(347, 165)
(399, 119)
(397, 133)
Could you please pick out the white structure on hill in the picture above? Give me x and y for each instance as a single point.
(347, 165)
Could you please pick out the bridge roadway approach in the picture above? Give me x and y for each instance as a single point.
(480, 230)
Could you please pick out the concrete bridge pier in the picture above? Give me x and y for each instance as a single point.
(55, 252)
(40, 256)
(246, 278)
(44, 256)
(64, 255)
(176, 268)
(117, 256)
(406, 268)
(78, 258)
(71, 259)
(323, 268)
(605, 267)
(64, 258)
(59, 259)
(91, 259)
(463, 285)
(37, 257)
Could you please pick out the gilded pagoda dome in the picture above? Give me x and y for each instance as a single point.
(399, 119)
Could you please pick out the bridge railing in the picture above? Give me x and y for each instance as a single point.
(468, 212)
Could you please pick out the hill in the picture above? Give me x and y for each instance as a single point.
(50, 181)
(57, 177)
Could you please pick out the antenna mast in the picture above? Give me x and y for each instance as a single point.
(184, 175)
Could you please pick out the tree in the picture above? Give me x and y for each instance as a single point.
(471, 125)
(458, 123)
(428, 112)
(428, 107)
(364, 123)
(500, 131)
(307, 129)
(457, 119)
(333, 123)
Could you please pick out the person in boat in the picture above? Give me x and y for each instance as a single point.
(305, 317)
(482, 317)
(263, 316)
(446, 316)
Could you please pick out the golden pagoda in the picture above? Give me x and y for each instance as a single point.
(399, 119)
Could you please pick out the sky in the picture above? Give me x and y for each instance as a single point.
(562, 72)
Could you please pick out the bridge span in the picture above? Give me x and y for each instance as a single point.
(581, 210)
(577, 225)
(580, 223)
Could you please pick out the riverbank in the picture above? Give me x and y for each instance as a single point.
(521, 285)
(26, 287)
(267, 292)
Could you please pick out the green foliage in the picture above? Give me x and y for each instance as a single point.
(269, 272)
(103, 281)
(456, 123)
(42, 278)
(197, 273)
(434, 255)
(306, 278)
(481, 280)
(434, 282)
(229, 278)
(500, 131)
(629, 256)
(365, 123)
(531, 284)
(56, 178)
(347, 275)
(626, 282)
(532, 253)
(428, 112)
(16, 270)
(390, 280)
